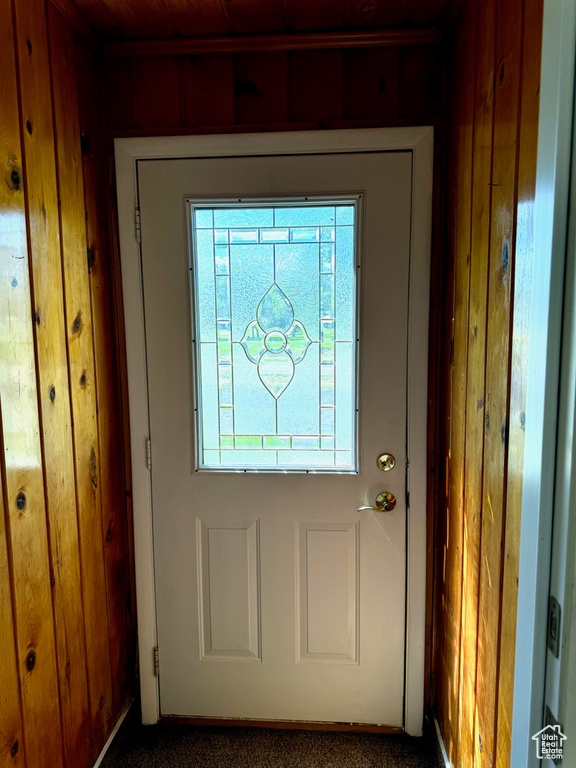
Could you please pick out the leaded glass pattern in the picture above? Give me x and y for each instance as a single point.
(275, 333)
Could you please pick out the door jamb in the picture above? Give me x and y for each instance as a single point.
(550, 231)
(420, 141)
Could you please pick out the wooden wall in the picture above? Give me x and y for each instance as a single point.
(491, 167)
(65, 630)
(281, 90)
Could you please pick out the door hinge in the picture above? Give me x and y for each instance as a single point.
(148, 453)
(554, 625)
(156, 662)
(137, 225)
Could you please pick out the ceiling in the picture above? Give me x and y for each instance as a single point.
(114, 19)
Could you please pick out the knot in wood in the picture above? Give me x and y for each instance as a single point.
(29, 127)
(31, 660)
(83, 379)
(15, 179)
(77, 324)
(52, 393)
(93, 468)
(14, 749)
(21, 501)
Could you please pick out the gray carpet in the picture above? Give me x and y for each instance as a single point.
(187, 746)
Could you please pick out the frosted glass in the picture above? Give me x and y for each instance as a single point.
(205, 297)
(275, 295)
(208, 374)
(204, 218)
(345, 214)
(243, 217)
(345, 375)
(297, 275)
(252, 274)
(305, 216)
(345, 290)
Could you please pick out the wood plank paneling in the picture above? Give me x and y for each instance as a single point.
(371, 82)
(12, 254)
(155, 89)
(205, 76)
(461, 145)
(526, 184)
(11, 741)
(247, 16)
(498, 344)
(481, 200)
(55, 689)
(375, 13)
(420, 81)
(96, 668)
(475, 708)
(111, 468)
(22, 475)
(316, 85)
(321, 14)
(261, 87)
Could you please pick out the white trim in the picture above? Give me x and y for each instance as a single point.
(420, 141)
(440, 745)
(550, 220)
(115, 730)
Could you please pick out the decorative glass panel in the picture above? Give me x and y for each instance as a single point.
(275, 332)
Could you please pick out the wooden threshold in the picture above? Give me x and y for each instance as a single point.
(290, 725)
(293, 41)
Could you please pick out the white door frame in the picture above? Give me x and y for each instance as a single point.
(420, 141)
(555, 125)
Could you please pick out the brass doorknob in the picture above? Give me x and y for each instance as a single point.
(385, 502)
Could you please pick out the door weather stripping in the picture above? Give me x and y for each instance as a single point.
(138, 230)
(148, 453)
(156, 662)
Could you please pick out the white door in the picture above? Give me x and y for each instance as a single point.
(276, 311)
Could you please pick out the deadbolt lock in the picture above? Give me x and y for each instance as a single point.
(386, 462)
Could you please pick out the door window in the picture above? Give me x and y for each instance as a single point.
(274, 291)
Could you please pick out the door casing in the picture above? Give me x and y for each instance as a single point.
(418, 140)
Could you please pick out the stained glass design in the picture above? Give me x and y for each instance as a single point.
(275, 332)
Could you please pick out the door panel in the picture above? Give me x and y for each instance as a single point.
(277, 598)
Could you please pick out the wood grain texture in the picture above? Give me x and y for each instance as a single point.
(461, 142)
(498, 345)
(85, 662)
(475, 410)
(293, 41)
(261, 87)
(371, 82)
(316, 85)
(524, 249)
(155, 89)
(151, 18)
(475, 708)
(23, 481)
(204, 76)
(11, 738)
(13, 253)
(78, 22)
(111, 468)
(375, 13)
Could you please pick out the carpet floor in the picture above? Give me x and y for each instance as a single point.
(187, 746)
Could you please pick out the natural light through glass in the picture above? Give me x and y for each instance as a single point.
(275, 330)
